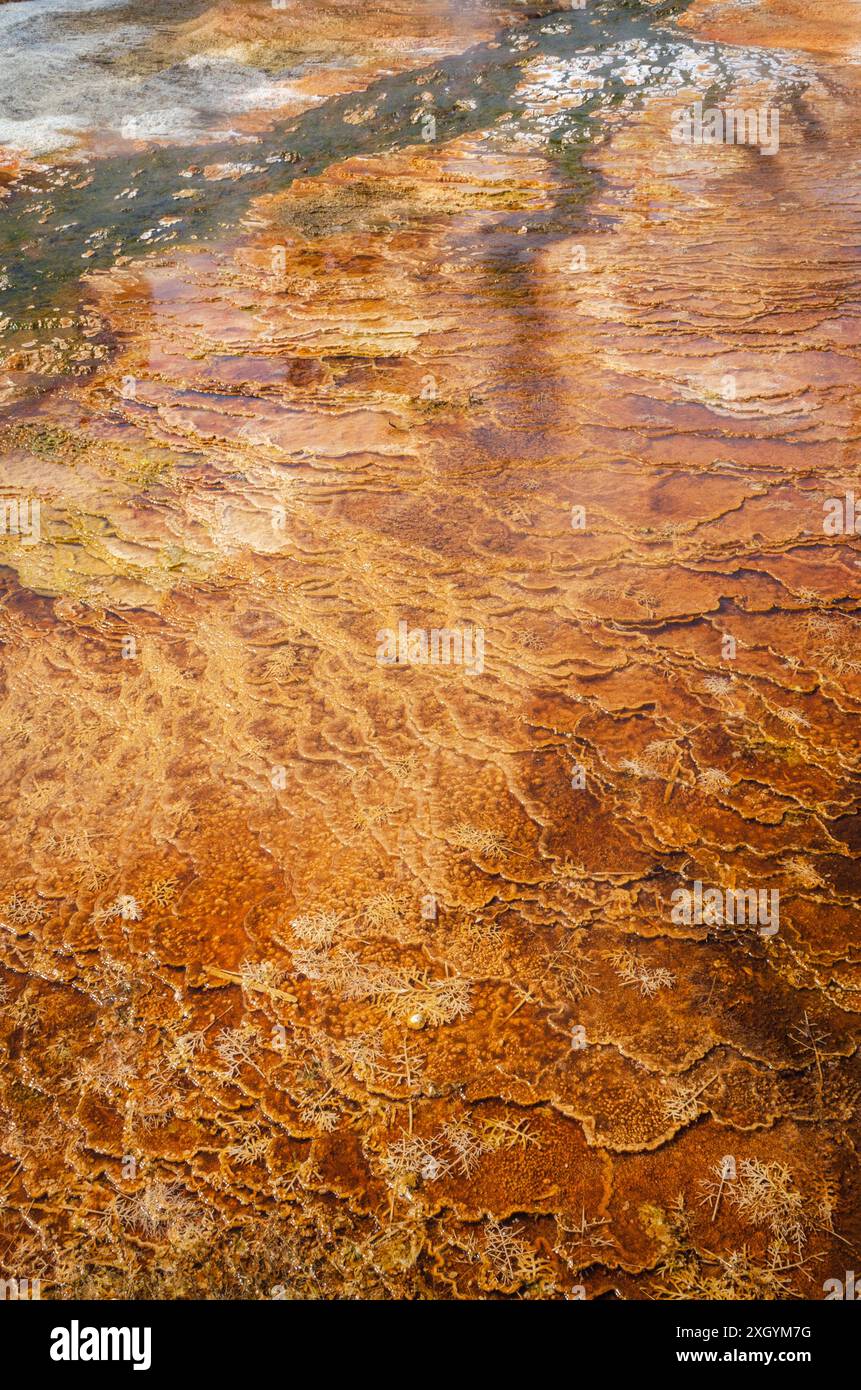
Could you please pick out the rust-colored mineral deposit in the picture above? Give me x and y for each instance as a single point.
(431, 650)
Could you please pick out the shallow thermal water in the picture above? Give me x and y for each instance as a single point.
(329, 964)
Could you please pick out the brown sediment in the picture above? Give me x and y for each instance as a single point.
(809, 25)
(329, 30)
(322, 973)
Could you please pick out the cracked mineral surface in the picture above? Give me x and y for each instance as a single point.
(430, 649)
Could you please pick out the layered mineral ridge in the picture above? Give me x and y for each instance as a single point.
(431, 650)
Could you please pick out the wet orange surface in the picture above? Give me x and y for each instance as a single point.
(329, 977)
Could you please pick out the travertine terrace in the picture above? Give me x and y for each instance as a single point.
(327, 976)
